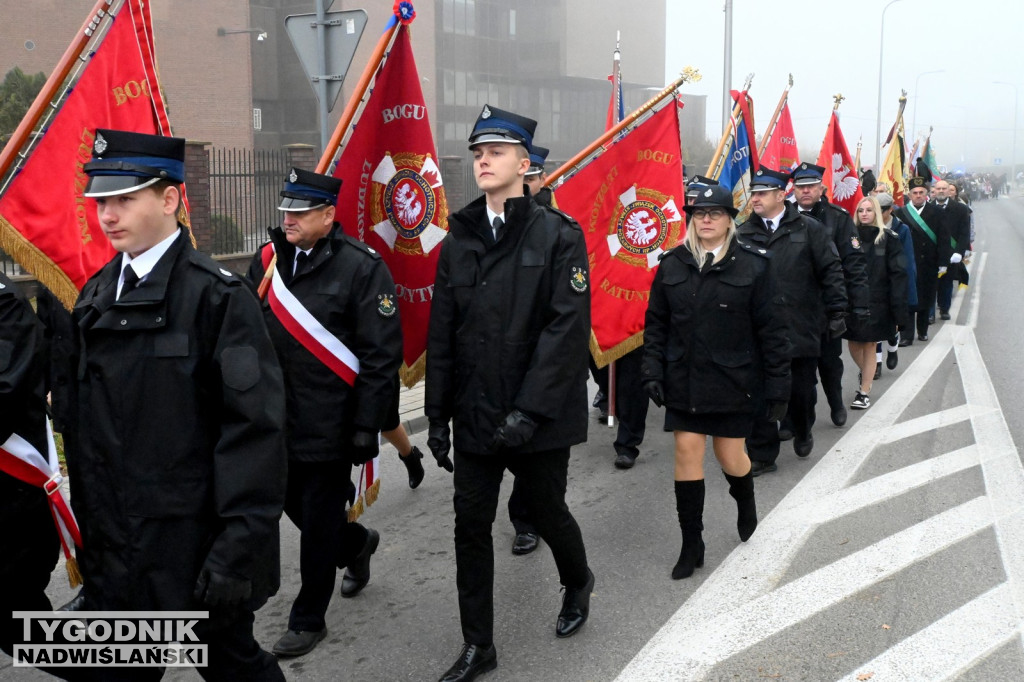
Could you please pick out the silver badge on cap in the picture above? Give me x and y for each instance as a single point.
(803, 166)
(294, 177)
(708, 193)
(759, 172)
(100, 145)
(486, 113)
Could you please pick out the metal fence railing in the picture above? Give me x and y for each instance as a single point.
(244, 194)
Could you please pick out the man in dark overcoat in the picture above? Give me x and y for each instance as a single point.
(507, 362)
(809, 291)
(338, 394)
(177, 463)
(932, 249)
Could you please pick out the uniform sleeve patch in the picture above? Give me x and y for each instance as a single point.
(855, 242)
(240, 367)
(386, 305)
(578, 280)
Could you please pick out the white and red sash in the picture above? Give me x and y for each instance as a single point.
(305, 328)
(20, 459)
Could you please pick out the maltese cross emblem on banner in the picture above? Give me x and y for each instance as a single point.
(405, 208)
(642, 226)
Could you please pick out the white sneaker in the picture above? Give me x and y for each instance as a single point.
(861, 402)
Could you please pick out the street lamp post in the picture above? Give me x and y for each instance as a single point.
(917, 98)
(878, 119)
(1014, 152)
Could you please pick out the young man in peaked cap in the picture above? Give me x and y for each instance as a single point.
(338, 394)
(176, 453)
(507, 363)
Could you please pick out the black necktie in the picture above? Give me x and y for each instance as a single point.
(130, 281)
(768, 224)
(498, 225)
(709, 260)
(301, 260)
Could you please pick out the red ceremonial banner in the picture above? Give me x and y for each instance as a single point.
(629, 203)
(392, 197)
(46, 224)
(781, 153)
(842, 186)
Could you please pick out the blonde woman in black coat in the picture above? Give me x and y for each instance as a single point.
(714, 355)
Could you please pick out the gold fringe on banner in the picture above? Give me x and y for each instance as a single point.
(410, 375)
(28, 256)
(74, 575)
(602, 358)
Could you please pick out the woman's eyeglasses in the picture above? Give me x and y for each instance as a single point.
(713, 213)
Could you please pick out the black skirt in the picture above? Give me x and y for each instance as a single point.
(723, 425)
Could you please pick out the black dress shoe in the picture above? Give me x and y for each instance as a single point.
(298, 642)
(757, 468)
(625, 460)
(878, 371)
(76, 604)
(944, 314)
(891, 359)
(575, 608)
(803, 448)
(358, 573)
(922, 337)
(473, 661)
(905, 341)
(414, 466)
(785, 433)
(838, 416)
(524, 543)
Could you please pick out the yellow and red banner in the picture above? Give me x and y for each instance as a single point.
(392, 196)
(628, 201)
(46, 224)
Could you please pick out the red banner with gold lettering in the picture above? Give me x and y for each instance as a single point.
(392, 197)
(45, 223)
(629, 203)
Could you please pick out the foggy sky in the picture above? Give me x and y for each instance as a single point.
(832, 47)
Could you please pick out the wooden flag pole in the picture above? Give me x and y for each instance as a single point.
(775, 118)
(386, 39)
(716, 160)
(53, 83)
(688, 75)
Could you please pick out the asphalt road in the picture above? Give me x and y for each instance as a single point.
(892, 553)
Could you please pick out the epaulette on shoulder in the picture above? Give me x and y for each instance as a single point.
(207, 264)
(891, 232)
(839, 208)
(665, 253)
(564, 215)
(362, 246)
(756, 250)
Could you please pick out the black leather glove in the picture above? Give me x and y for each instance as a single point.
(219, 590)
(836, 325)
(439, 440)
(517, 430)
(656, 391)
(776, 410)
(364, 447)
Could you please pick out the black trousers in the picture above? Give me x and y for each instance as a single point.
(631, 403)
(922, 320)
(315, 502)
(542, 476)
(763, 443)
(830, 368)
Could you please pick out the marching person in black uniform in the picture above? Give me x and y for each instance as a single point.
(932, 249)
(507, 361)
(177, 458)
(28, 543)
(810, 199)
(809, 293)
(714, 352)
(527, 540)
(333, 414)
(957, 217)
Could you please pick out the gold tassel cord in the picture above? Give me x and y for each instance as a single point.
(74, 575)
(26, 254)
(372, 492)
(356, 510)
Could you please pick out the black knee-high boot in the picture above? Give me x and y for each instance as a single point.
(742, 490)
(690, 507)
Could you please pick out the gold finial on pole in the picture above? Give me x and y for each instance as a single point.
(837, 98)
